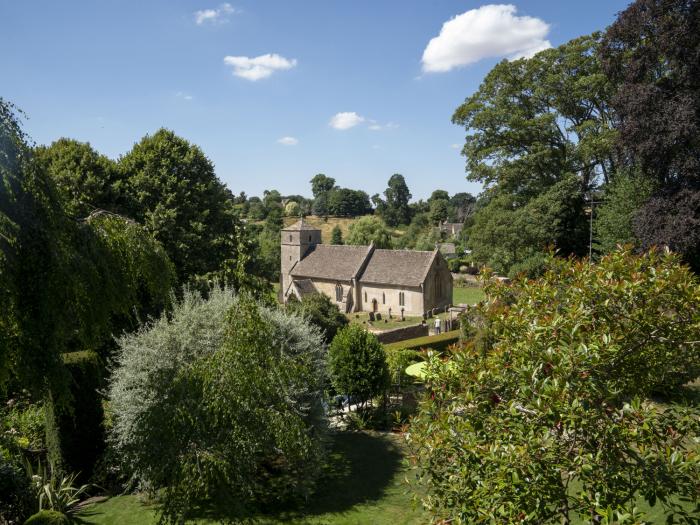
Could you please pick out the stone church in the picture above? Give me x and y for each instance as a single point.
(363, 278)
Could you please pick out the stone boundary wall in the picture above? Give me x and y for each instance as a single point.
(403, 333)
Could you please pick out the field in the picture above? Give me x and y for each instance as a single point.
(325, 225)
(364, 484)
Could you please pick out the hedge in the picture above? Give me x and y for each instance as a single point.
(436, 342)
(74, 431)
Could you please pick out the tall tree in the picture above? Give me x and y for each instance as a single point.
(336, 235)
(369, 229)
(181, 202)
(321, 184)
(397, 195)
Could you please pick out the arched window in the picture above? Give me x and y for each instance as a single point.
(338, 292)
(290, 237)
(365, 296)
(402, 299)
(383, 298)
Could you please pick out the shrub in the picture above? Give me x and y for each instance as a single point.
(358, 364)
(439, 343)
(398, 361)
(16, 498)
(222, 399)
(320, 311)
(48, 517)
(547, 420)
(74, 431)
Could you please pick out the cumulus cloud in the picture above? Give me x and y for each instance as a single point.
(375, 126)
(288, 141)
(489, 31)
(258, 67)
(213, 16)
(345, 120)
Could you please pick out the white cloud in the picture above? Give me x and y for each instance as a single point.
(183, 95)
(259, 67)
(489, 31)
(375, 126)
(456, 146)
(288, 141)
(214, 16)
(345, 120)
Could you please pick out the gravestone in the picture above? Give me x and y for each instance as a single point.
(390, 314)
(371, 316)
(378, 316)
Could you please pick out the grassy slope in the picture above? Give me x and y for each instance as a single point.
(326, 226)
(365, 484)
(467, 295)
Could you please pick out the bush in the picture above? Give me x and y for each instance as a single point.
(221, 400)
(74, 431)
(546, 420)
(397, 362)
(439, 343)
(48, 517)
(320, 311)
(16, 498)
(358, 364)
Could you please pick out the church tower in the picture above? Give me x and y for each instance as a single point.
(297, 239)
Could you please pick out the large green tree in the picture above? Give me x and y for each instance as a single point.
(396, 210)
(180, 200)
(367, 230)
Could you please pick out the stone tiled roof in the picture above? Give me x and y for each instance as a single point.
(398, 267)
(305, 287)
(328, 261)
(299, 226)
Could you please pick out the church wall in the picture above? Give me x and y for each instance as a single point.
(413, 299)
(438, 285)
(327, 287)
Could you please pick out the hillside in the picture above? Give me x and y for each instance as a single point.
(327, 224)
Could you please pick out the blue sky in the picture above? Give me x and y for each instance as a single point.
(109, 72)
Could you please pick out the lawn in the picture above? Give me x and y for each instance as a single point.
(467, 295)
(365, 484)
(362, 318)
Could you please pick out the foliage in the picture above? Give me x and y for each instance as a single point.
(22, 422)
(439, 210)
(84, 179)
(179, 199)
(672, 218)
(650, 53)
(358, 364)
(292, 209)
(48, 517)
(336, 235)
(613, 218)
(546, 419)
(220, 399)
(395, 209)
(55, 492)
(397, 362)
(320, 311)
(507, 231)
(321, 184)
(535, 120)
(74, 430)
(16, 497)
(367, 230)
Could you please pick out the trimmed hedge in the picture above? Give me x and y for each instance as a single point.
(436, 342)
(48, 517)
(74, 430)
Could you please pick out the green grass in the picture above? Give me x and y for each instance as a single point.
(362, 318)
(365, 484)
(436, 342)
(468, 295)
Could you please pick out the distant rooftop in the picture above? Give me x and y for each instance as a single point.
(300, 225)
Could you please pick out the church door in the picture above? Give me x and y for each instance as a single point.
(374, 305)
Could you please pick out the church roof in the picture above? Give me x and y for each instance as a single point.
(329, 261)
(398, 267)
(300, 225)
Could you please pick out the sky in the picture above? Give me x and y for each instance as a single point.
(275, 91)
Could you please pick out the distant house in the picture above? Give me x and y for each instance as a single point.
(363, 278)
(452, 229)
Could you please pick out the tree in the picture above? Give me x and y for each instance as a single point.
(650, 52)
(543, 417)
(181, 202)
(344, 202)
(614, 217)
(358, 364)
(462, 206)
(320, 311)
(84, 179)
(292, 209)
(221, 400)
(439, 195)
(321, 184)
(397, 195)
(369, 229)
(438, 211)
(532, 121)
(336, 235)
